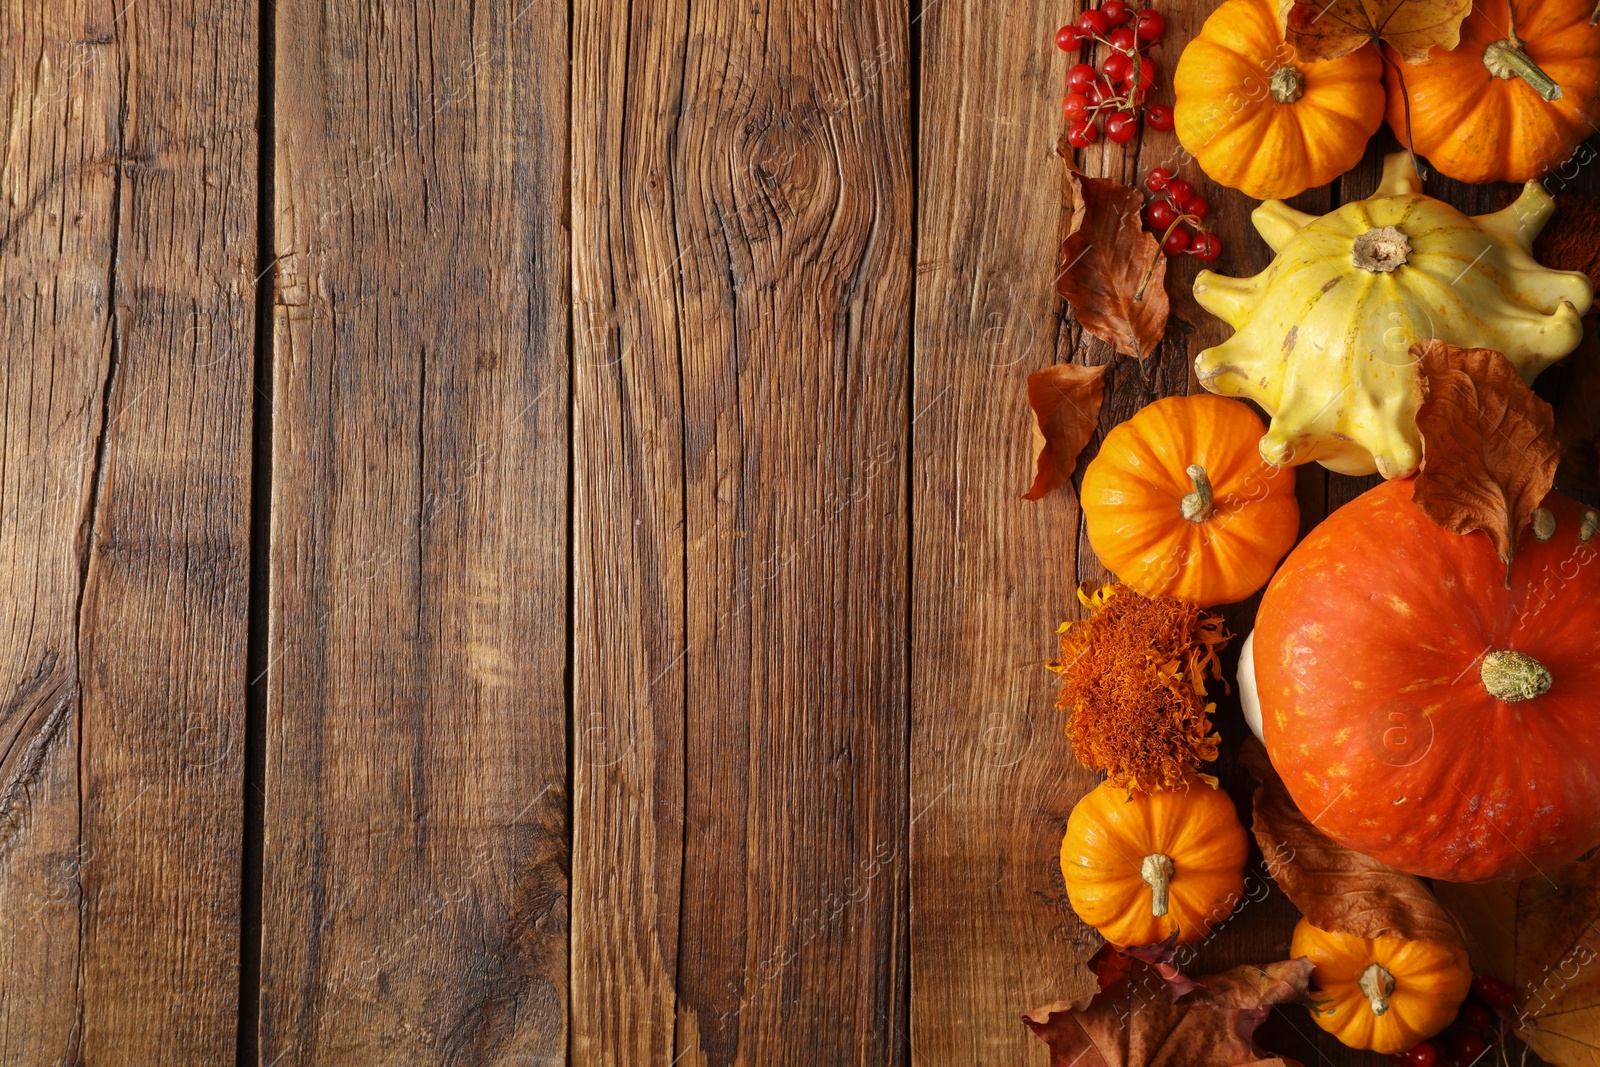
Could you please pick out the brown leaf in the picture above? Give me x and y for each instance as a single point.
(1066, 402)
(1111, 270)
(1320, 30)
(1488, 446)
(1333, 886)
(1142, 1021)
(1578, 418)
(1542, 936)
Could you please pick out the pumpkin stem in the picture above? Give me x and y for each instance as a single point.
(1380, 250)
(1513, 676)
(1287, 84)
(1157, 871)
(1506, 59)
(1196, 506)
(1378, 984)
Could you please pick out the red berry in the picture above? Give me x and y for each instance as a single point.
(1176, 243)
(1157, 179)
(1093, 23)
(1080, 77)
(1160, 215)
(1075, 106)
(1082, 134)
(1469, 1046)
(1067, 38)
(1199, 207)
(1494, 992)
(1095, 94)
(1478, 1017)
(1423, 1054)
(1122, 127)
(1116, 11)
(1123, 39)
(1150, 24)
(1159, 117)
(1146, 72)
(1182, 193)
(1206, 246)
(1116, 66)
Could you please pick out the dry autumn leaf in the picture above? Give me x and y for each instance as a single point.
(1317, 29)
(1488, 447)
(1141, 1021)
(1065, 399)
(1542, 936)
(1112, 271)
(1335, 887)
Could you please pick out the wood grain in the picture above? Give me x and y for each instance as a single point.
(127, 241)
(414, 902)
(742, 265)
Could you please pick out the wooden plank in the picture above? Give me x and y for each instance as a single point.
(127, 241)
(414, 901)
(741, 278)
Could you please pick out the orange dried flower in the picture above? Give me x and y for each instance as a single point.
(1133, 680)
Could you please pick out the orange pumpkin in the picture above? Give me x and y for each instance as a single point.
(1384, 993)
(1179, 502)
(1513, 99)
(1261, 122)
(1142, 866)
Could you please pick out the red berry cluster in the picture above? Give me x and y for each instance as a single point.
(1117, 90)
(1482, 1021)
(1173, 215)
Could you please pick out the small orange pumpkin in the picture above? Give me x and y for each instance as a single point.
(1179, 502)
(1142, 866)
(1384, 993)
(1513, 99)
(1259, 121)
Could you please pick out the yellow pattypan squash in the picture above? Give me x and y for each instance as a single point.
(1323, 335)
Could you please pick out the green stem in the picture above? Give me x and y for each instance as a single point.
(1506, 59)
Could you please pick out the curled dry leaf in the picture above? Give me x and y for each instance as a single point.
(1066, 402)
(1542, 936)
(1112, 271)
(1319, 30)
(1141, 1021)
(1337, 888)
(1488, 446)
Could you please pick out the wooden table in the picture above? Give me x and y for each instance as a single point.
(510, 535)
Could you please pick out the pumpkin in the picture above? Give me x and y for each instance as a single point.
(1513, 99)
(1383, 993)
(1179, 503)
(1141, 867)
(1257, 120)
(1425, 704)
(1323, 335)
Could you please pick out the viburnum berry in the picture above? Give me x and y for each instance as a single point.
(1477, 1016)
(1080, 77)
(1096, 94)
(1116, 66)
(1159, 117)
(1199, 207)
(1176, 243)
(1160, 214)
(1494, 992)
(1068, 39)
(1082, 134)
(1149, 24)
(1122, 127)
(1093, 23)
(1469, 1046)
(1157, 179)
(1206, 246)
(1123, 39)
(1116, 11)
(1145, 71)
(1423, 1054)
(1075, 106)
(1182, 193)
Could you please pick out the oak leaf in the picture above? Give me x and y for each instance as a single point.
(1541, 936)
(1318, 29)
(1335, 887)
(1488, 447)
(1142, 1021)
(1066, 400)
(1111, 269)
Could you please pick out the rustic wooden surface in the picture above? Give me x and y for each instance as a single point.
(511, 538)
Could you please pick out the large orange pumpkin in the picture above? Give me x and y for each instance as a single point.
(1259, 121)
(1429, 708)
(1513, 99)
